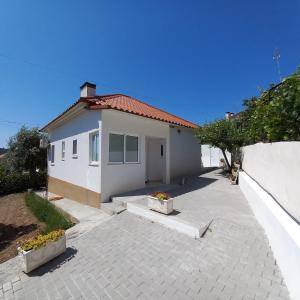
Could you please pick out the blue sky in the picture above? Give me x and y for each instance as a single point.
(196, 59)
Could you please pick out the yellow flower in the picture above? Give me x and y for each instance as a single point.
(42, 239)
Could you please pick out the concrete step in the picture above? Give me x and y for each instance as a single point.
(112, 208)
(171, 221)
(123, 200)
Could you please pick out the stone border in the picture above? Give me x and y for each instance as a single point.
(169, 221)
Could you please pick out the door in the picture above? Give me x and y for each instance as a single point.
(155, 159)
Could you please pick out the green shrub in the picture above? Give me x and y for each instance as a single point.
(274, 116)
(47, 212)
(14, 182)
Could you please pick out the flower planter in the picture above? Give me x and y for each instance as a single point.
(34, 258)
(162, 206)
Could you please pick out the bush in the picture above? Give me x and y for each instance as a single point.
(14, 182)
(47, 212)
(274, 116)
(42, 240)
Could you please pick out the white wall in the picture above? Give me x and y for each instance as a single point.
(118, 178)
(185, 152)
(276, 167)
(76, 170)
(211, 156)
(282, 231)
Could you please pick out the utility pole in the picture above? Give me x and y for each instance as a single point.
(276, 57)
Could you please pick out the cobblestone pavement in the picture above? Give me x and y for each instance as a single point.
(128, 257)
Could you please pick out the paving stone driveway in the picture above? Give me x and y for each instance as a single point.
(128, 257)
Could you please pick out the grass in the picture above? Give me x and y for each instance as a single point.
(46, 212)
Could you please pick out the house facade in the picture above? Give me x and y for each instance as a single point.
(105, 145)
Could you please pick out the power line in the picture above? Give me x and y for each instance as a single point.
(63, 73)
(9, 122)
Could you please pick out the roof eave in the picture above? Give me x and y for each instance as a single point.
(75, 109)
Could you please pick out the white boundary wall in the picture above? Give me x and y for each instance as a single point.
(282, 231)
(210, 156)
(276, 167)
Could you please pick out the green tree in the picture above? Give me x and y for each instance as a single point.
(24, 153)
(274, 115)
(223, 134)
(282, 118)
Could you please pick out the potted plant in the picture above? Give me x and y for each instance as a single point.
(222, 163)
(37, 251)
(161, 202)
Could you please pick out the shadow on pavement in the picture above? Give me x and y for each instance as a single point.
(55, 263)
(175, 188)
(192, 184)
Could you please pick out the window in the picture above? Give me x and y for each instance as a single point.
(94, 147)
(63, 150)
(123, 148)
(116, 148)
(49, 152)
(52, 153)
(131, 149)
(74, 148)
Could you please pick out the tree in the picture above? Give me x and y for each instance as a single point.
(24, 153)
(274, 115)
(223, 134)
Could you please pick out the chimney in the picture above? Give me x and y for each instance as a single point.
(88, 90)
(229, 115)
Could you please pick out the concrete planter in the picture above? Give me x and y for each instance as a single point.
(162, 206)
(35, 258)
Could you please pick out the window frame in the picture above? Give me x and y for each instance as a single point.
(63, 150)
(91, 134)
(74, 155)
(124, 162)
(52, 155)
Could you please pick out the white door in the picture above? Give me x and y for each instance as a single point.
(155, 159)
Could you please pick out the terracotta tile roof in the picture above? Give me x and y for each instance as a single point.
(127, 104)
(130, 105)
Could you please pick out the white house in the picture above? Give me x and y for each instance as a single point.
(105, 145)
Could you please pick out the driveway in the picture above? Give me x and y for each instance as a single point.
(128, 257)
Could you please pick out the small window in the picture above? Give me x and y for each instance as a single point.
(74, 148)
(52, 153)
(63, 150)
(116, 148)
(132, 149)
(94, 147)
(49, 152)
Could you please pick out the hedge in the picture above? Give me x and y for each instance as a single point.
(14, 182)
